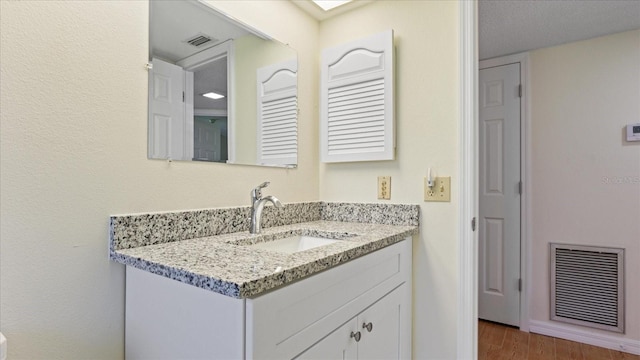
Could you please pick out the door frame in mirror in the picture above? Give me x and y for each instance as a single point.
(203, 58)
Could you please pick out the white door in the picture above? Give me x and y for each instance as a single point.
(206, 142)
(499, 195)
(166, 111)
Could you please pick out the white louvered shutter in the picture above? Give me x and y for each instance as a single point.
(356, 101)
(278, 114)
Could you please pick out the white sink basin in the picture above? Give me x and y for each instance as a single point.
(294, 244)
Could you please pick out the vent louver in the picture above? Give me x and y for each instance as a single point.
(355, 121)
(279, 129)
(200, 40)
(587, 286)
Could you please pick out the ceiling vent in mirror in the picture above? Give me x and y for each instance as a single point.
(200, 39)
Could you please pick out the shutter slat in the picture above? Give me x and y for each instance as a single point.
(356, 87)
(346, 135)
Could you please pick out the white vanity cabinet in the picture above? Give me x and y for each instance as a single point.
(324, 316)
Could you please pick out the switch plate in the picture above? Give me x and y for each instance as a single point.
(441, 190)
(384, 187)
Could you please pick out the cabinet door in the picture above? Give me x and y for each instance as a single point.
(337, 345)
(277, 106)
(356, 100)
(381, 327)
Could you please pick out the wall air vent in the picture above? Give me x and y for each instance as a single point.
(587, 286)
(200, 39)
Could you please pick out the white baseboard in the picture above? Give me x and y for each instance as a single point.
(585, 336)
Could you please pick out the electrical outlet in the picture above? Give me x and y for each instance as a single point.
(440, 191)
(384, 187)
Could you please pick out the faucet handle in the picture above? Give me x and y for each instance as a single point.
(256, 193)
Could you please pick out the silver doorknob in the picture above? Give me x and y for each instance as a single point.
(368, 326)
(356, 335)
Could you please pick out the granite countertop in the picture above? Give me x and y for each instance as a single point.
(226, 265)
(208, 248)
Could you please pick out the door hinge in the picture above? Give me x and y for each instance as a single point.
(520, 90)
(473, 224)
(183, 96)
(520, 187)
(520, 285)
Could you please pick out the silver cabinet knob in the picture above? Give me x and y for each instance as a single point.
(368, 326)
(356, 335)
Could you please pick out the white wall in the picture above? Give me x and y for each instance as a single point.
(73, 151)
(586, 177)
(427, 51)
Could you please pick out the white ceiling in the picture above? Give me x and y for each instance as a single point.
(508, 27)
(173, 22)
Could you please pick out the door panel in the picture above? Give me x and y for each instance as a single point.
(337, 345)
(206, 142)
(493, 248)
(166, 111)
(499, 197)
(383, 318)
(494, 155)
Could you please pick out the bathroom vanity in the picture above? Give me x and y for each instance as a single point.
(227, 296)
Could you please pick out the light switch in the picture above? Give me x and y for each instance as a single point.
(440, 191)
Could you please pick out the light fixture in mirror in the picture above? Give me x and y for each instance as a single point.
(219, 91)
(327, 5)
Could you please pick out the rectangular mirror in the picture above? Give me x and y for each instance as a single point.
(219, 91)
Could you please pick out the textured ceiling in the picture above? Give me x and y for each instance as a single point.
(508, 27)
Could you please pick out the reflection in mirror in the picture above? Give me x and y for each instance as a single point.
(218, 90)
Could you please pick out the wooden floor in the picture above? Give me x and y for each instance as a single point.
(497, 341)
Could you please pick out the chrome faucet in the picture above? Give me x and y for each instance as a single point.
(257, 203)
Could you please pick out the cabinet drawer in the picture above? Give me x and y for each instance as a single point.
(285, 322)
